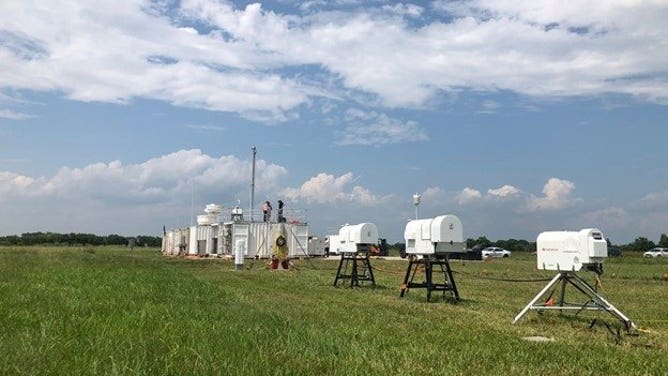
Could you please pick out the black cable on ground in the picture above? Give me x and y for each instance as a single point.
(503, 279)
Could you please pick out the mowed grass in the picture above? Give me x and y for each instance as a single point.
(79, 311)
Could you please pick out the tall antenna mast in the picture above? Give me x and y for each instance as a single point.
(192, 203)
(252, 196)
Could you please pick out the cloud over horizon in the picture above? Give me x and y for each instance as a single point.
(159, 190)
(242, 60)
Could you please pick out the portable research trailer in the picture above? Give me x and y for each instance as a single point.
(429, 241)
(260, 236)
(218, 239)
(568, 252)
(354, 245)
(175, 241)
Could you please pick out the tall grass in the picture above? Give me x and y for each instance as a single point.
(109, 311)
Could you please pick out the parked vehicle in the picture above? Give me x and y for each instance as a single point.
(495, 252)
(474, 253)
(614, 252)
(656, 252)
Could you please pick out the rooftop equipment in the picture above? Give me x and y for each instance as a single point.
(568, 252)
(354, 243)
(429, 241)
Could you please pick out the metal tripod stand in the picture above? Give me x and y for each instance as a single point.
(355, 261)
(596, 301)
(429, 261)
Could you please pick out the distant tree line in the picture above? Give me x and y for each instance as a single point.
(53, 238)
(641, 244)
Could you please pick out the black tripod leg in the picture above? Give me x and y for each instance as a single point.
(451, 281)
(338, 271)
(428, 269)
(407, 278)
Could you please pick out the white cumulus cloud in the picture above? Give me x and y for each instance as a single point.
(162, 179)
(557, 195)
(504, 191)
(468, 195)
(327, 188)
(214, 55)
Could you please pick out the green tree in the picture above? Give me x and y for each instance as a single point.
(663, 241)
(482, 240)
(115, 239)
(641, 244)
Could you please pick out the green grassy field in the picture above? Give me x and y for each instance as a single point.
(78, 311)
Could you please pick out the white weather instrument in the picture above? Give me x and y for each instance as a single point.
(429, 241)
(567, 252)
(437, 235)
(354, 243)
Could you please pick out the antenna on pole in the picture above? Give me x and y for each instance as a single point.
(252, 195)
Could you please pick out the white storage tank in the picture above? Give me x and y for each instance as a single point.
(357, 238)
(441, 234)
(570, 250)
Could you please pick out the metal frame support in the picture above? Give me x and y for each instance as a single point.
(596, 302)
(428, 261)
(355, 261)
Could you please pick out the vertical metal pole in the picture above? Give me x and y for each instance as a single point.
(252, 196)
(192, 203)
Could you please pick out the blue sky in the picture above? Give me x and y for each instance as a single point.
(517, 118)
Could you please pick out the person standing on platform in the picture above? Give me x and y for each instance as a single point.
(281, 218)
(266, 210)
